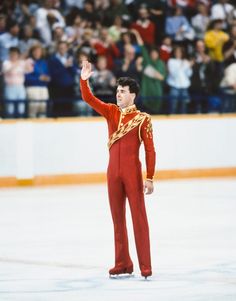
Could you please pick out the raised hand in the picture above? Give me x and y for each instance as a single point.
(86, 71)
(137, 36)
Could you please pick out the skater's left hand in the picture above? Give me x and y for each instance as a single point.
(148, 187)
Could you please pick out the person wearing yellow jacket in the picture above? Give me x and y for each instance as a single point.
(214, 39)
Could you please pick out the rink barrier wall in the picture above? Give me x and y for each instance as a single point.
(101, 178)
(23, 163)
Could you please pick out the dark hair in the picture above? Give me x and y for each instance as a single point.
(11, 23)
(62, 42)
(14, 49)
(36, 46)
(181, 48)
(154, 48)
(213, 22)
(130, 82)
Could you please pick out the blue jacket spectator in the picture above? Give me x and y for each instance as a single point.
(36, 83)
(62, 74)
(178, 27)
(34, 78)
(62, 71)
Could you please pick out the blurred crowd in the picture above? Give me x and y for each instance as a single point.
(182, 53)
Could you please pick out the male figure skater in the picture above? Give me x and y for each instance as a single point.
(127, 128)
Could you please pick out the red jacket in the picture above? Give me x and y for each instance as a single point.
(147, 33)
(111, 52)
(125, 151)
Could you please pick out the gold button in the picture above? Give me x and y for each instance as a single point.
(123, 116)
(121, 123)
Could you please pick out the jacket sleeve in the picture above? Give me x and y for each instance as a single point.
(150, 154)
(99, 106)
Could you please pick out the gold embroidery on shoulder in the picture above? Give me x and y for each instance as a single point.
(140, 126)
(125, 128)
(148, 128)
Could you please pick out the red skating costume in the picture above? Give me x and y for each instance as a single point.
(127, 129)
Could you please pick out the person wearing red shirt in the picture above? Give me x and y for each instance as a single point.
(145, 26)
(127, 128)
(166, 49)
(106, 47)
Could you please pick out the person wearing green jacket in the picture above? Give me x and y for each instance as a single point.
(153, 76)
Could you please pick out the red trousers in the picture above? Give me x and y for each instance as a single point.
(125, 181)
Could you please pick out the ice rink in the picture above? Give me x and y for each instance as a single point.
(56, 243)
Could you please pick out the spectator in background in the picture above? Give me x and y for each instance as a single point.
(157, 13)
(214, 40)
(127, 38)
(27, 40)
(222, 10)
(2, 31)
(157, 10)
(166, 49)
(86, 45)
(29, 7)
(101, 4)
(105, 46)
(14, 70)
(13, 10)
(116, 29)
(145, 26)
(3, 23)
(58, 35)
(32, 23)
(228, 89)
(104, 31)
(9, 39)
(88, 13)
(80, 107)
(104, 80)
(201, 20)
(62, 71)
(185, 4)
(75, 31)
(178, 27)
(154, 73)
(115, 8)
(202, 80)
(229, 48)
(129, 65)
(46, 16)
(36, 83)
(178, 80)
(70, 4)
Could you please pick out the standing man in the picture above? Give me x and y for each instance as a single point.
(127, 128)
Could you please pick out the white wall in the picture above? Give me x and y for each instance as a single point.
(29, 148)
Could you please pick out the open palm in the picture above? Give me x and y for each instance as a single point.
(86, 71)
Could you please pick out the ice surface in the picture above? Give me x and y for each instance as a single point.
(56, 243)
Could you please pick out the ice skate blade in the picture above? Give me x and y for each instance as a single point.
(121, 276)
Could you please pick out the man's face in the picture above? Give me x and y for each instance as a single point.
(14, 56)
(15, 30)
(62, 48)
(123, 97)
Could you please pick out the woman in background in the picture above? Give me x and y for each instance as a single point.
(36, 83)
(14, 70)
(153, 76)
(178, 80)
